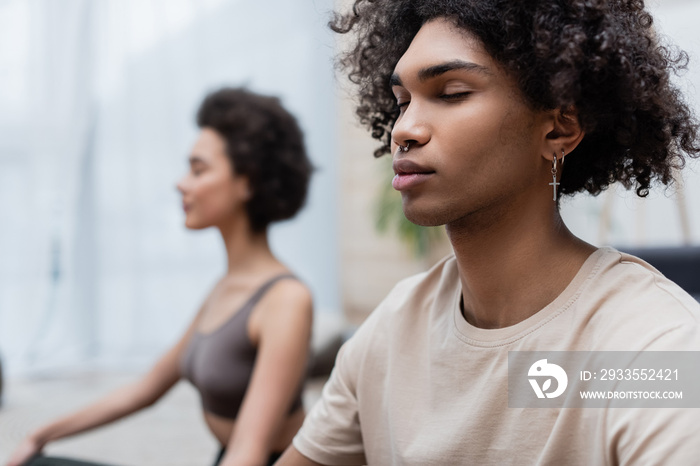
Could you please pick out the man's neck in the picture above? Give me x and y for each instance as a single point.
(511, 268)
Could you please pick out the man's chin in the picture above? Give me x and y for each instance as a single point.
(425, 217)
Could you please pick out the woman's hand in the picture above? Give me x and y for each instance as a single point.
(25, 451)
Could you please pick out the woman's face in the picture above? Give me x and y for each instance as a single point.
(212, 195)
(474, 144)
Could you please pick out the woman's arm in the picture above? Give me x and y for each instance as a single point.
(127, 400)
(283, 348)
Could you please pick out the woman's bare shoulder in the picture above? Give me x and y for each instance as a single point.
(288, 303)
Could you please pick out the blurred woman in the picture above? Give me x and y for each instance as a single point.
(246, 349)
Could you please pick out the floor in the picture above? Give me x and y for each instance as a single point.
(171, 433)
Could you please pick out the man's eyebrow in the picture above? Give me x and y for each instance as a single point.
(437, 70)
(442, 68)
(194, 158)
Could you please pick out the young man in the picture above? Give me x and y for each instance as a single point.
(493, 110)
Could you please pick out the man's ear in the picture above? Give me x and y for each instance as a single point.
(565, 133)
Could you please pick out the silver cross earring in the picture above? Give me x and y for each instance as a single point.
(554, 183)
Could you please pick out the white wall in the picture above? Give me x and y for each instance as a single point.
(97, 103)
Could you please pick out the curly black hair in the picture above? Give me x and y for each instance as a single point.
(599, 58)
(264, 143)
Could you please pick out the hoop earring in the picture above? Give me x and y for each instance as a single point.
(554, 183)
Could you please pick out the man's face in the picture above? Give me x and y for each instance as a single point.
(474, 143)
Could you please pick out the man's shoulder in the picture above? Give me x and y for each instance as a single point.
(413, 298)
(629, 297)
(630, 279)
(418, 292)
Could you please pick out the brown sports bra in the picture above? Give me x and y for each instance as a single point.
(220, 363)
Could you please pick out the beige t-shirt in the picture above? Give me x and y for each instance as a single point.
(418, 385)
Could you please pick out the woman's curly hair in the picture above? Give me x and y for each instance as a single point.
(599, 57)
(264, 143)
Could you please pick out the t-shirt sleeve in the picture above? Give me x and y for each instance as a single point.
(331, 432)
(657, 435)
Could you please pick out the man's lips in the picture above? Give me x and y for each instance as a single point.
(408, 167)
(409, 174)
